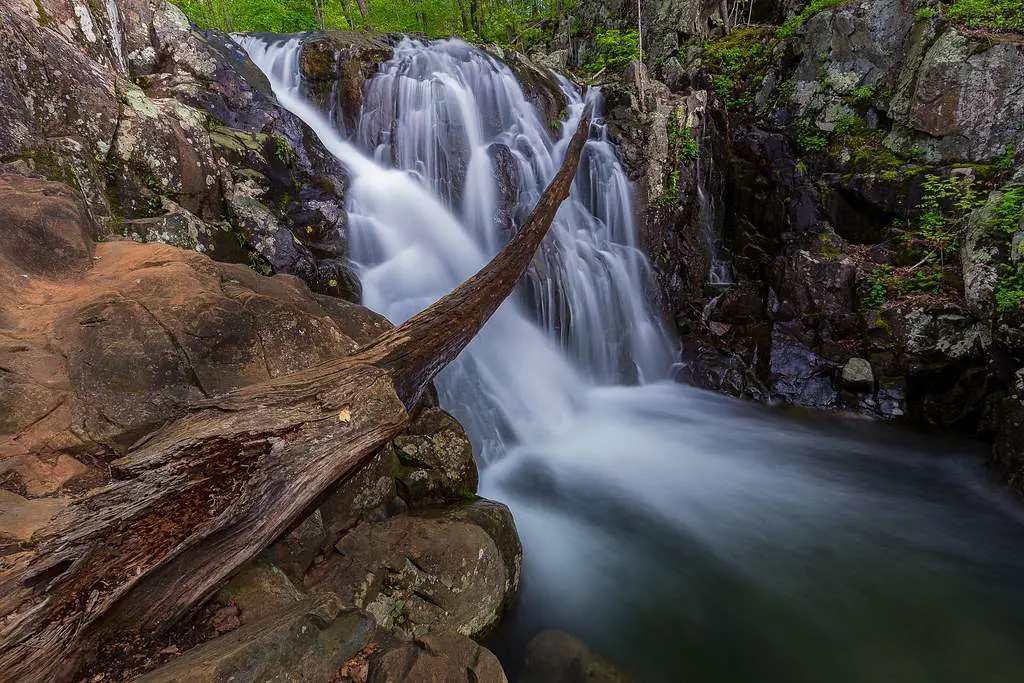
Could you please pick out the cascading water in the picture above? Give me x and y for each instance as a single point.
(686, 535)
(440, 113)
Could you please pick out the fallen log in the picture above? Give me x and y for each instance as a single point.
(192, 502)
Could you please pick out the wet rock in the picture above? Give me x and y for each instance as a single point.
(799, 375)
(558, 657)
(891, 400)
(436, 659)
(337, 64)
(506, 171)
(857, 375)
(435, 460)
(451, 570)
(307, 642)
(1008, 451)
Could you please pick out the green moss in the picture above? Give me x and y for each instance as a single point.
(830, 246)
(1006, 15)
(45, 19)
(50, 165)
(737, 63)
(791, 26)
(925, 13)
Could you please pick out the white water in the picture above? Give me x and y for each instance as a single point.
(688, 536)
(437, 112)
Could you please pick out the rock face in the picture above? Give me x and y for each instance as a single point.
(174, 136)
(795, 241)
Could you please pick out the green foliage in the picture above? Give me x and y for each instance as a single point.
(943, 212)
(735, 62)
(615, 50)
(925, 13)
(518, 23)
(1005, 162)
(861, 96)
(1010, 287)
(282, 151)
(809, 139)
(1009, 211)
(1005, 15)
(929, 243)
(878, 284)
(791, 26)
(848, 124)
(280, 16)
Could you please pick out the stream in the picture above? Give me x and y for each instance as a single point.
(681, 534)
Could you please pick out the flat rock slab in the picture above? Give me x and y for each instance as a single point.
(308, 642)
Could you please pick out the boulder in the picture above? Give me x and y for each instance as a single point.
(558, 657)
(435, 459)
(857, 375)
(449, 570)
(436, 659)
(100, 345)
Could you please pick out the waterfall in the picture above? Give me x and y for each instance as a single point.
(427, 207)
(680, 533)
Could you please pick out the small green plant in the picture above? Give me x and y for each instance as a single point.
(1010, 287)
(1004, 164)
(615, 49)
(1009, 211)
(861, 96)
(793, 24)
(282, 151)
(878, 284)
(809, 139)
(848, 124)
(925, 13)
(736, 62)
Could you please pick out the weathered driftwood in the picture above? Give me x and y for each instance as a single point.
(206, 493)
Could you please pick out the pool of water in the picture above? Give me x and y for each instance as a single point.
(688, 536)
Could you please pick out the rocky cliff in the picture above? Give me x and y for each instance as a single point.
(833, 201)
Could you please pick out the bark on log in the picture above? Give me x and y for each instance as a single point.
(194, 501)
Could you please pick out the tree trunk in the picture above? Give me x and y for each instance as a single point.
(189, 504)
